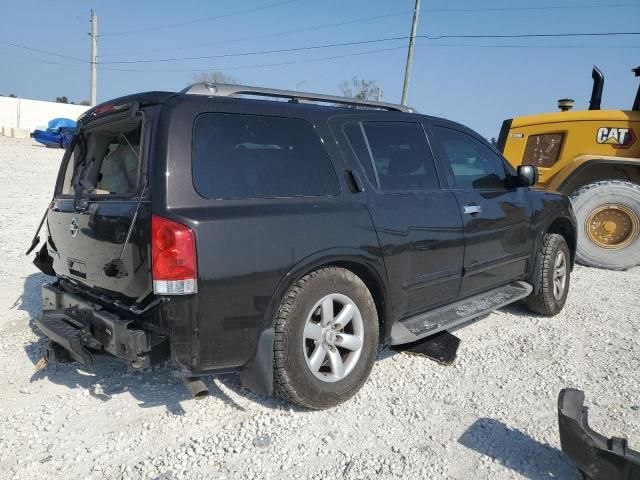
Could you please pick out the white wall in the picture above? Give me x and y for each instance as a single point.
(32, 114)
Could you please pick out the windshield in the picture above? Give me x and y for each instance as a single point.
(105, 160)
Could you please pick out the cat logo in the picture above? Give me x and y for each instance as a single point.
(616, 137)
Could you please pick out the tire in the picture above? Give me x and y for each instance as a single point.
(300, 339)
(548, 301)
(586, 202)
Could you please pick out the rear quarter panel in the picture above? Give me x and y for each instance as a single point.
(249, 251)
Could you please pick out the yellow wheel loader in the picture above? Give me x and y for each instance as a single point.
(594, 157)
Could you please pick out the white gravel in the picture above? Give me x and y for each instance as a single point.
(490, 416)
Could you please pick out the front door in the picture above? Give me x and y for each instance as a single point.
(418, 224)
(496, 216)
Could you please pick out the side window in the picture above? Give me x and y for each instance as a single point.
(353, 132)
(252, 156)
(474, 165)
(402, 159)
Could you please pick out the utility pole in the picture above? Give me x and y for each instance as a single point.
(94, 55)
(412, 41)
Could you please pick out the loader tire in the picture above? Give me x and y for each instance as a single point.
(608, 215)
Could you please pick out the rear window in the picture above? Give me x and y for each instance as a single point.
(250, 156)
(105, 160)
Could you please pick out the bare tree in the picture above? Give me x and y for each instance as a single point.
(213, 76)
(359, 89)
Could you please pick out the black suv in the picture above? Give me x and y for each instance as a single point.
(286, 236)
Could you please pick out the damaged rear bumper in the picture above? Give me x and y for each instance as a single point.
(84, 328)
(597, 457)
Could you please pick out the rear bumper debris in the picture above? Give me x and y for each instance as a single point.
(597, 457)
(84, 328)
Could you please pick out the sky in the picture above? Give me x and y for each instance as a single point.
(476, 81)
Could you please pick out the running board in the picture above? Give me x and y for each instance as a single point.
(447, 317)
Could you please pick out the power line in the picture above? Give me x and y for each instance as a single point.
(507, 9)
(243, 67)
(356, 54)
(362, 20)
(260, 37)
(40, 60)
(200, 20)
(533, 35)
(333, 57)
(259, 52)
(364, 42)
(16, 45)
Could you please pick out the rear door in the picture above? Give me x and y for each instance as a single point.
(96, 196)
(496, 216)
(418, 224)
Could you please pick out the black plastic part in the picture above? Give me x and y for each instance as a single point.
(636, 103)
(596, 92)
(353, 181)
(257, 375)
(597, 457)
(44, 262)
(441, 347)
(504, 132)
(65, 333)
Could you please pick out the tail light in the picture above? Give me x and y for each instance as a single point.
(173, 257)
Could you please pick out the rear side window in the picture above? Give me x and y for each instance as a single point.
(402, 159)
(251, 156)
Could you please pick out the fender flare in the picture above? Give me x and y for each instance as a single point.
(581, 164)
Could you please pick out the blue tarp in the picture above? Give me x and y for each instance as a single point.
(58, 134)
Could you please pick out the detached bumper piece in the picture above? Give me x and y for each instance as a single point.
(597, 457)
(84, 328)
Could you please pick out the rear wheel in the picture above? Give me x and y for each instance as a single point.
(326, 339)
(608, 215)
(553, 264)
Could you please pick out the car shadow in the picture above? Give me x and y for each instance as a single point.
(151, 387)
(517, 451)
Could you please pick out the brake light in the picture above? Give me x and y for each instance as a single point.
(173, 257)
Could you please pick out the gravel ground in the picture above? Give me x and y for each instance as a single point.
(492, 415)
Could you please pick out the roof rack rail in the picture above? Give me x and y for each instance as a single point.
(229, 90)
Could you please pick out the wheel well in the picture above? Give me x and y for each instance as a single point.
(596, 170)
(373, 283)
(564, 227)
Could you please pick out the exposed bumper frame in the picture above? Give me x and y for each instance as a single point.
(83, 328)
(597, 457)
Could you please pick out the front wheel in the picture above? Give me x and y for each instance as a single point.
(326, 338)
(608, 215)
(553, 264)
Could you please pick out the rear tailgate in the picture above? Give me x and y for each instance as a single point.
(99, 190)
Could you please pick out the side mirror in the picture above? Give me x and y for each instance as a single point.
(527, 175)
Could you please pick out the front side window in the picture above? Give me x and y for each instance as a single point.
(402, 159)
(474, 165)
(252, 156)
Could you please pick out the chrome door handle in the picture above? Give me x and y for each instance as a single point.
(472, 209)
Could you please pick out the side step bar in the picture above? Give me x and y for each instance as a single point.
(425, 324)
